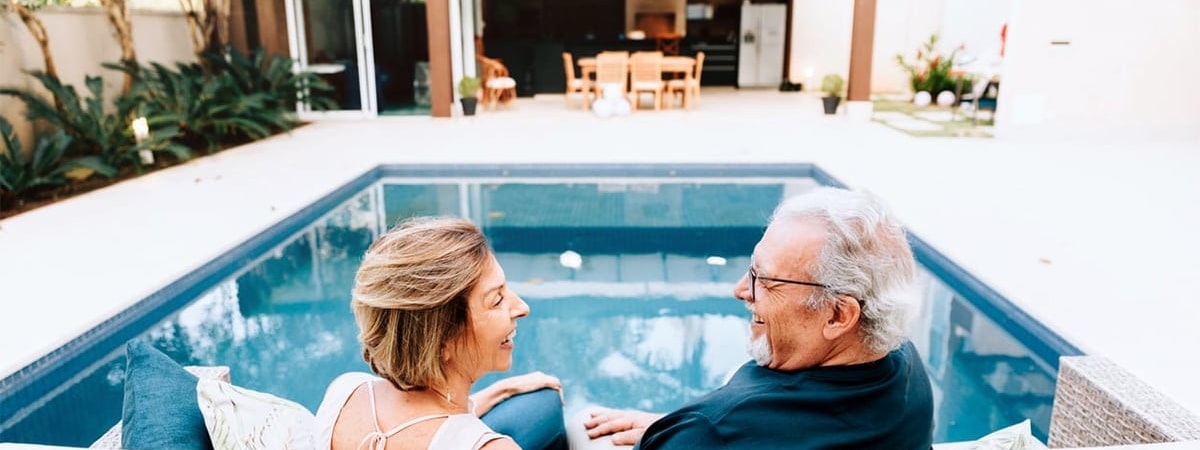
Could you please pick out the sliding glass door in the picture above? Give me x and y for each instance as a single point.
(332, 39)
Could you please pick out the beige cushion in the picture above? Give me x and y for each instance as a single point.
(501, 83)
(241, 419)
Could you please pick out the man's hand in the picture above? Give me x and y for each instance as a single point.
(625, 426)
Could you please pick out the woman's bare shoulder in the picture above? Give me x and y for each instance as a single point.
(501, 444)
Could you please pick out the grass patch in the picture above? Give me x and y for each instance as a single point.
(958, 124)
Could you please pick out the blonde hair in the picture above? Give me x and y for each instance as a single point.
(410, 297)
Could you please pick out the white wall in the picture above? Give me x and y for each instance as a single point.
(1130, 66)
(900, 27)
(820, 40)
(80, 40)
(976, 24)
(11, 56)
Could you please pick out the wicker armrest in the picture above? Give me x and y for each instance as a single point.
(1097, 403)
(112, 438)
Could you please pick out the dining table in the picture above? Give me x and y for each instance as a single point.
(671, 65)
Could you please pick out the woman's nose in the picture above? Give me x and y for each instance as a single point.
(522, 308)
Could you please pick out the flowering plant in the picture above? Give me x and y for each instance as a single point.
(931, 72)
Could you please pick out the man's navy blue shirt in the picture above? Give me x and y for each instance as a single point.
(885, 404)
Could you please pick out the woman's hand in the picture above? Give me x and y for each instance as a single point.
(501, 390)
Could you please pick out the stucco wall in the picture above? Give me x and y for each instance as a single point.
(820, 40)
(10, 75)
(1088, 66)
(821, 35)
(80, 40)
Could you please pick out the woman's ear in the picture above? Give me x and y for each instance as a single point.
(844, 317)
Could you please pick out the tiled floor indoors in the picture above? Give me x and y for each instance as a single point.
(1096, 237)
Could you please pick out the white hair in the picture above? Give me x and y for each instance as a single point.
(866, 256)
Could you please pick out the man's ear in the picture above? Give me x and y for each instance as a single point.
(844, 317)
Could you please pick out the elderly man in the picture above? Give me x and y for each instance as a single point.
(832, 366)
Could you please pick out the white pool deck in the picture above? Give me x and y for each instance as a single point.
(1098, 238)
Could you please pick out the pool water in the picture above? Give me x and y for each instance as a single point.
(648, 321)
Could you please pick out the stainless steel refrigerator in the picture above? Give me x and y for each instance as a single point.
(760, 52)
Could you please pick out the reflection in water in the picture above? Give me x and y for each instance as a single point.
(983, 378)
(645, 321)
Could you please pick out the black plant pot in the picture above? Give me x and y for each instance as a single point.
(468, 104)
(831, 104)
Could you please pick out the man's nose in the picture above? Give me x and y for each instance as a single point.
(741, 290)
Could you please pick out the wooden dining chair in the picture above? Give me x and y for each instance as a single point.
(645, 75)
(574, 85)
(612, 69)
(689, 86)
(498, 86)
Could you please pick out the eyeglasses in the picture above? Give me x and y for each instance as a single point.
(754, 282)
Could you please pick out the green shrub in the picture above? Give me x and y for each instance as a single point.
(832, 85)
(468, 87)
(203, 111)
(930, 70)
(273, 76)
(94, 131)
(44, 167)
(230, 99)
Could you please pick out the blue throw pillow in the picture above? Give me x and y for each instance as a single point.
(160, 409)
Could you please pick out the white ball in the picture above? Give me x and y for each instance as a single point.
(622, 107)
(571, 259)
(922, 99)
(945, 98)
(602, 108)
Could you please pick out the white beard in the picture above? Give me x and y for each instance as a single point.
(760, 350)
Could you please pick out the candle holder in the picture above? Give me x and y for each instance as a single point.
(141, 130)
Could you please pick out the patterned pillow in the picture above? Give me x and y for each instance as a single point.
(241, 419)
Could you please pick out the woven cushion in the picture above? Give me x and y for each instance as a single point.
(159, 409)
(242, 419)
(501, 83)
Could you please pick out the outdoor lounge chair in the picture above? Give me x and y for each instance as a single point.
(1096, 404)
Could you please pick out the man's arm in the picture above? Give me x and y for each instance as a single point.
(680, 431)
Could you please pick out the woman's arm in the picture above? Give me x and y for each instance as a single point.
(499, 391)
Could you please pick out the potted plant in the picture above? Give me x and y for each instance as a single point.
(831, 85)
(468, 88)
(931, 73)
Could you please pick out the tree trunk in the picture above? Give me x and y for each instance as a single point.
(208, 24)
(118, 14)
(226, 8)
(39, 34)
(195, 23)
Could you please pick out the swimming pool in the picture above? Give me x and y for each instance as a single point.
(647, 321)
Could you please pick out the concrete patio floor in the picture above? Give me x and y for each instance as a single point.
(1094, 237)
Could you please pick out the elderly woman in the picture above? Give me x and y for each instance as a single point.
(435, 313)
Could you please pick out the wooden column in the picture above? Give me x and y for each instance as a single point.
(441, 86)
(862, 40)
(272, 26)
